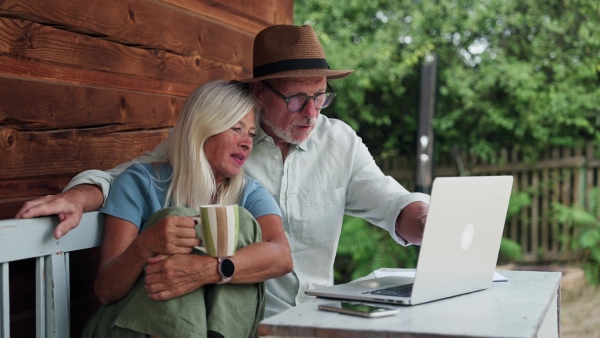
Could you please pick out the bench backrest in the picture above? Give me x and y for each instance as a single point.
(33, 238)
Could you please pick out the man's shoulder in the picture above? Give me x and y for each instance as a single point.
(331, 127)
(332, 123)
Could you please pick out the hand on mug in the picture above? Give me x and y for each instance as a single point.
(171, 235)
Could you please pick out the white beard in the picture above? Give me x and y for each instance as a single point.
(286, 134)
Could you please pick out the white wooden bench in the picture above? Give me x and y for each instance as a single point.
(33, 238)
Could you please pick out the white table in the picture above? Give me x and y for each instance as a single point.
(528, 305)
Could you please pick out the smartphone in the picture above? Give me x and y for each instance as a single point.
(359, 309)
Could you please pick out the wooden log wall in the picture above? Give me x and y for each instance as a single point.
(92, 84)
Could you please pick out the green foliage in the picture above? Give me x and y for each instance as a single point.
(518, 201)
(510, 251)
(519, 74)
(364, 247)
(586, 228)
(511, 74)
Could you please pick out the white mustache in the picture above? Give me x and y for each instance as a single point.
(306, 121)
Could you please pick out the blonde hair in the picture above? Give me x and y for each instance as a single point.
(209, 110)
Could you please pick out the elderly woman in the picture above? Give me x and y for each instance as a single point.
(149, 279)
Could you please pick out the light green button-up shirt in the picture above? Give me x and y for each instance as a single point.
(330, 174)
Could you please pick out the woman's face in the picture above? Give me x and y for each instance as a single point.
(227, 152)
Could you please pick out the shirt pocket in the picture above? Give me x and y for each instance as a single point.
(322, 215)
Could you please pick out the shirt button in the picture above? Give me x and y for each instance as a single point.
(275, 157)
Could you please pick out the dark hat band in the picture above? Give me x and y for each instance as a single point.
(286, 65)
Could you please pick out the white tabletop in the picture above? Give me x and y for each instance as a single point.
(516, 308)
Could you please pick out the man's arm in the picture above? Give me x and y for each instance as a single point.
(86, 192)
(380, 199)
(69, 206)
(410, 224)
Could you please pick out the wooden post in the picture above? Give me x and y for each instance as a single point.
(424, 161)
(5, 303)
(534, 224)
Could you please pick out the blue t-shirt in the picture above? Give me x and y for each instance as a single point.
(140, 191)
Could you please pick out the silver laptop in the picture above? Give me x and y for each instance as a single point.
(459, 249)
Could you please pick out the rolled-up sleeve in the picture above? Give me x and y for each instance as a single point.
(374, 196)
(104, 179)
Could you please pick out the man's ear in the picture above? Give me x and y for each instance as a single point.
(258, 90)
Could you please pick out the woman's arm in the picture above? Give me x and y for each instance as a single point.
(177, 275)
(268, 259)
(124, 254)
(120, 264)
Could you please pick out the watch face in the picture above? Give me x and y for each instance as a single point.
(227, 268)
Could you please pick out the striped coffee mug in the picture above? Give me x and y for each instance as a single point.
(219, 227)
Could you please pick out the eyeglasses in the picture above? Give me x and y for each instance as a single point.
(296, 103)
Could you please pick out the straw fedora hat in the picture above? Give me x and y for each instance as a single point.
(284, 51)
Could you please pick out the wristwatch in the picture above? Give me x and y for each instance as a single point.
(226, 269)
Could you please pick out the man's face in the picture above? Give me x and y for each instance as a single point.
(281, 124)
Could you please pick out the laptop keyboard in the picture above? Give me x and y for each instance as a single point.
(396, 291)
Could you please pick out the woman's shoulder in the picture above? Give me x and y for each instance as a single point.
(254, 190)
(258, 200)
(150, 170)
(251, 182)
(144, 176)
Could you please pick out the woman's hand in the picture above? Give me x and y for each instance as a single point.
(169, 236)
(124, 253)
(173, 276)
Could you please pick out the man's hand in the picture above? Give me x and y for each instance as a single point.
(411, 222)
(68, 206)
(173, 276)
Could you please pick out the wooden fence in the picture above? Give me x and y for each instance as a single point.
(559, 175)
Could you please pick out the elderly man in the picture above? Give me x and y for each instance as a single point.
(316, 168)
